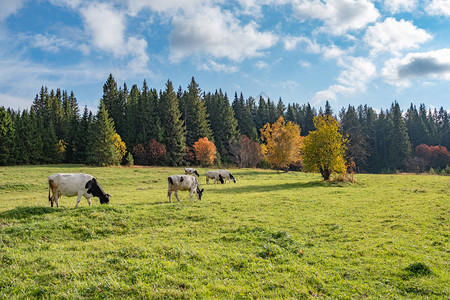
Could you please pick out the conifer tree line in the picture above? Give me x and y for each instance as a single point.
(160, 128)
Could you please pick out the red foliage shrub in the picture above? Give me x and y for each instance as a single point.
(139, 154)
(434, 156)
(246, 152)
(189, 156)
(156, 152)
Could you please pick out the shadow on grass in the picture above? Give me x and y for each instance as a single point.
(256, 173)
(23, 212)
(270, 188)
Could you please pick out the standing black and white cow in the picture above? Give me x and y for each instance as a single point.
(67, 184)
(188, 171)
(227, 176)
(214, 175)
(183, 183)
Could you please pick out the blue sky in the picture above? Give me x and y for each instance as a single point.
(345, 51)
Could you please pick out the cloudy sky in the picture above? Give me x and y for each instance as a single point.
(345, 51)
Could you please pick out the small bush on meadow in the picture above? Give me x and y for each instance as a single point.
(418, 269)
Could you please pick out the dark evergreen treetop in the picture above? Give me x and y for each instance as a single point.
(173, 128)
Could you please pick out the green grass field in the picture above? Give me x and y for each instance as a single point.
(270, 235)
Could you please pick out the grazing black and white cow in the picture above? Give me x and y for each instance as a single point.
(216, 176)
(67, 184)
(188, 171)
(183, 183)
(227, 175)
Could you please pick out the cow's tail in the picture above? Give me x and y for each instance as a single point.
(170, 180)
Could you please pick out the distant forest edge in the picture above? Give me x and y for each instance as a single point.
(160, 128)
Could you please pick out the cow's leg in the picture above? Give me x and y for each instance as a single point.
(192, 194)
(80, 194)
(89, 201)
(176, 195)
(169, 193)
(55, 198)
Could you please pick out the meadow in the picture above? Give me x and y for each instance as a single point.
(270, 235)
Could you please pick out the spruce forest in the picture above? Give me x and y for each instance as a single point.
(151, 127)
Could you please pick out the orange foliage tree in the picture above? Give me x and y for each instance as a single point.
(281, 143)
(205, 151)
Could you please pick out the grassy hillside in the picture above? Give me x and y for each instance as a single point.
(270, 235)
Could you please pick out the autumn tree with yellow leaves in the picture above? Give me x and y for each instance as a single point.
(121, 148)
(281, 143)
(324, 149)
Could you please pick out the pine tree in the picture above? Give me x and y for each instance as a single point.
(417, 131)
(291, 114)
(444, 128)
(308, 123)
(82, 137)
(223, 123)
(281, 108)
(353, 131)
(244, 117)
(262, 114)
(173, 129)
(114, 101)
(7, 136)
(133, 116)
(102, 150)
(399, 145)
(71, 125)
(382, 128)
(367, 118)
(30, 137)
(328, 109)
(194, 113)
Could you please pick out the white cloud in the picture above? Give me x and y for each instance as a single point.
(339, 16)
(107, 27)
(218, 34)
(14, 102)
(396, 6)
(439, 8)
(286, 85)
(394, 36)
(261, 65)
(291, 42)
(426, 65)
(70, 3)
(138, 49)
(9, 7)
(172, 7)
(304, 63)
(53, 44)
(213, 66)
(357, 73)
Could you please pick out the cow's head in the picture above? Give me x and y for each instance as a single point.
(94, 188)
(232, 178)
(104, 199)
(199, 193)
